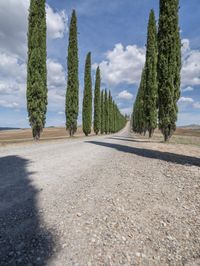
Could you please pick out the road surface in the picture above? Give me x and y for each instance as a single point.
(108, 200)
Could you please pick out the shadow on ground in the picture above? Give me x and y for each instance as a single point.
(131, 139)
(23, 238)
(153, 154)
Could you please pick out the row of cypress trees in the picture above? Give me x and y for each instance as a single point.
(159, 90)
(107, 117)
(111, 119)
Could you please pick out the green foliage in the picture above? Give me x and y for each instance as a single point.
(139, 121)
(151, 88)
(36, 68)
(110, 113)
(72, 95)
(97, 102)
(145, 107)
(111, 119)
(102, 113)
(119, 119)
(106, 112)
(87, 98)
(169, 66)
(163, 62)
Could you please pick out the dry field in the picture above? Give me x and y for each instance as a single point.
(25, 135)
(188, 136)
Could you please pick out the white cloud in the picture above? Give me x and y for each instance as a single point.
(189, 88)
(56, 85)
(56, 23)
(56, 74)
(196, 105)
(126, 110)
(7, 104)
(122, 64)
(14, 24)
(186, 100)
(11, 68)
(190, 73)
(13, 83)
(13, 51)
(60, 113)
(125, 95)
(185, 46)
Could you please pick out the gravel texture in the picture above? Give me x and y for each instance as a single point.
(111, 200)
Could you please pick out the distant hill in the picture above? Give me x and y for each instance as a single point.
(192, 126)
(8, 128)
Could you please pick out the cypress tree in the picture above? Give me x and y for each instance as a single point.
(113, 116)
(87, 98)
(72, 95)
(139, 122)
(106, 112)
(36, 68)
(102, 113)
(150, 95)
(97, 102)
(110, 112)
(169, 66)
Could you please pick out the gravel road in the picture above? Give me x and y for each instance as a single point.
(108, 200)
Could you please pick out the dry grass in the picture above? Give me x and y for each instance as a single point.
(25, 135)
(185, 136)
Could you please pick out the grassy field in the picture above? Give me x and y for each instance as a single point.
(186, 135)
(25, 135)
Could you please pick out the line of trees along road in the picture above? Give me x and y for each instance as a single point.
(107, 117)
(159, 90)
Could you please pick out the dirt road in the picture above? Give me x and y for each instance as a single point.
(111, 200)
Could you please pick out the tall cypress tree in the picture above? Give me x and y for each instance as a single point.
(36, 68)
(169, 66)
(113, 116)
(72, 95)
(97, 102)
(110, 112)
(102, 113)
(87, 98)
(106, 112)
(139, 121)
(150, 95)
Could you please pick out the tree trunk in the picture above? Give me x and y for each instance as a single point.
(151, 131)
(166, 137)
(37, 136)
(70, 132)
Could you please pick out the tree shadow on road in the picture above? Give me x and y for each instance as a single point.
(23, 238)
(130, 139)
(152, 154)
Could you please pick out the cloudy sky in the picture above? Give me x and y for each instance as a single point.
(115, 33)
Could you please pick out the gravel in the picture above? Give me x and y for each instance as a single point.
(108, 200)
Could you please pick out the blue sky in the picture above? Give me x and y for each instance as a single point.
(115, 33)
